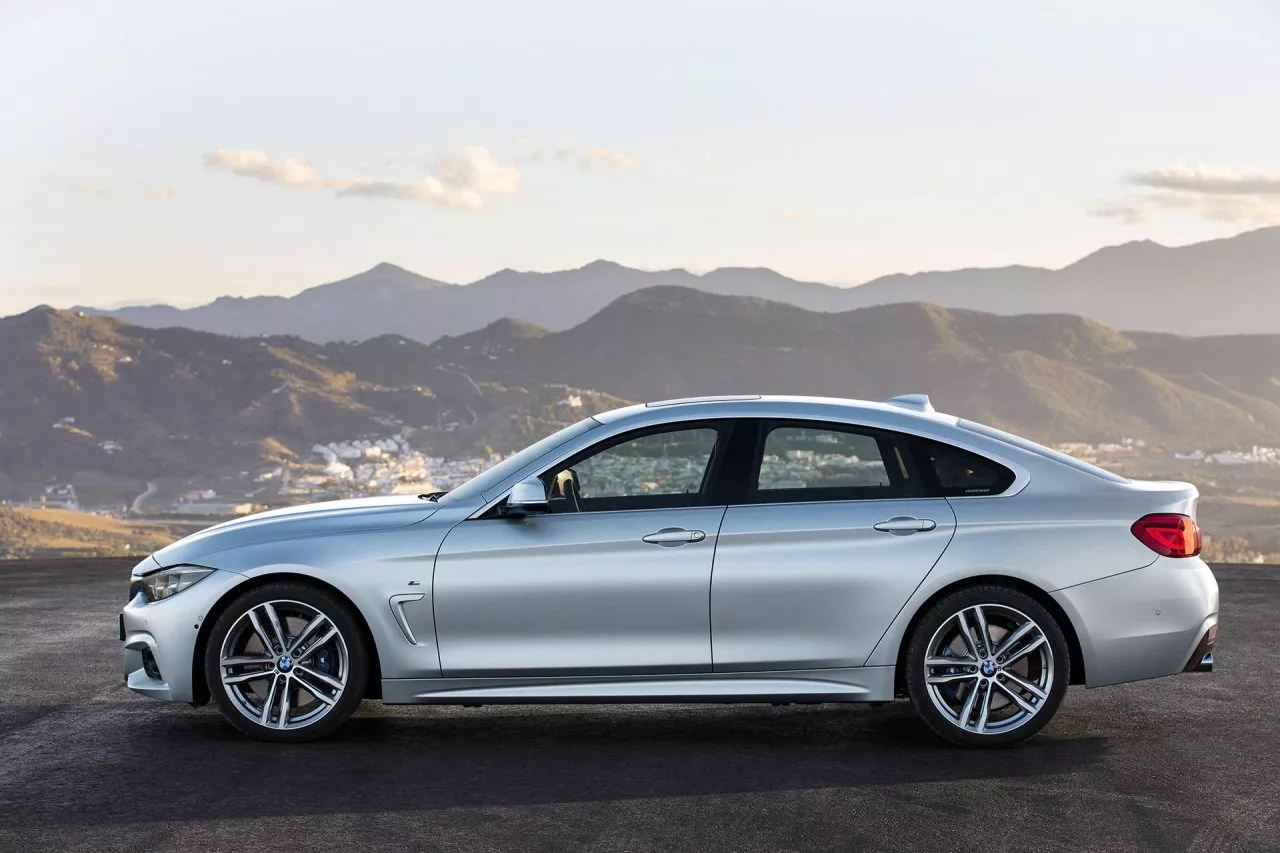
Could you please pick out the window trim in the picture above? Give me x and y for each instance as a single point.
(724, 428)
(888, 442)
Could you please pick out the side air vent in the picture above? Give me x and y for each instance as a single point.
(914, 402)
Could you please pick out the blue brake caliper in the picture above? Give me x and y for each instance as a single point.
(952, 690)
(323, 662)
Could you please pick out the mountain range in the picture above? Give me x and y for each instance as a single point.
(80, 392)
(1220, 287)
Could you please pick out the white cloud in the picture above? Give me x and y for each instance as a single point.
(477, 171)
(458, 181)
(608, 158)
(255, 164)
(1127, 213)
(1206, 180)
(596, 157)
(1245, 209)
(1217, 194)
(89, 188)
(430, 190)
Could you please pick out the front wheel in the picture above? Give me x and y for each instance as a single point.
(987, 666)
(287, 662)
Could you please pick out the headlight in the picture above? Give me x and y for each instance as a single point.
(169, 582)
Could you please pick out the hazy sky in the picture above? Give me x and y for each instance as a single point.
(177, 151)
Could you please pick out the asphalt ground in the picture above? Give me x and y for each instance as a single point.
(1184, 763)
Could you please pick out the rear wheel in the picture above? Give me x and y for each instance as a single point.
(987, 666)
(287, 662)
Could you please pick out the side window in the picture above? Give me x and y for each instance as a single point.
(657, 470)
(802, 463)
(960, 472)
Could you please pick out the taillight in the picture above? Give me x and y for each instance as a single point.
(1169, 535)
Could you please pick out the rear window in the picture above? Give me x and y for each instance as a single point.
(960, 473)
(1041, 450)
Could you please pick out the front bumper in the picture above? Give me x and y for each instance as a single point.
(166, 632)
(1145, 623)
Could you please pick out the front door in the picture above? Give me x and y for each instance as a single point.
(614, 580)
(830, 544)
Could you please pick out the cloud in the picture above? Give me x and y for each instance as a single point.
(1206, 180)
(596, 157)
(255, 164)
(89, 188)
(1127, 213)
(1216, 194)
(430, 190)
(477, 171)
(458, 181)
(592, 157)
(161, 193)
(790, 216)
(608, 158)
(1254, 211)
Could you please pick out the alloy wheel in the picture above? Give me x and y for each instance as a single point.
(989, 669)
(284, 664)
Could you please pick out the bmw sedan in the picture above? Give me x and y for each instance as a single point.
(734, 549)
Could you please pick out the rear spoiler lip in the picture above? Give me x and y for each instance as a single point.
(1166, 495)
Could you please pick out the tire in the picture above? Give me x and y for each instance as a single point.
(287, 698)
(1005, 693)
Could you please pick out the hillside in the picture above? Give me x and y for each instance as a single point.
(1219, 287)
(1056, 377)
(91, 394)
(81, 393)
(47, 533)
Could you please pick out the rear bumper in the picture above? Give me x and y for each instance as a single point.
(1145, 623)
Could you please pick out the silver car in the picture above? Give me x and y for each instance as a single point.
(736, 549)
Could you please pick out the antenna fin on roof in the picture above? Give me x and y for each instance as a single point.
(915, 402)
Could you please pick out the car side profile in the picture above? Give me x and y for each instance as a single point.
(734, 549)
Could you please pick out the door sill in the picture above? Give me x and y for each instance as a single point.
(851, 684)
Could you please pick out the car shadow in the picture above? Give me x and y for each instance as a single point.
(413, 759)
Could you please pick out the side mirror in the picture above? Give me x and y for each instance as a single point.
(527, 497)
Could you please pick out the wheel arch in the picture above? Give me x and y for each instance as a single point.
(1027, 588)
(200, 687)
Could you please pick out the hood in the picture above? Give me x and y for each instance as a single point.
(318, 519)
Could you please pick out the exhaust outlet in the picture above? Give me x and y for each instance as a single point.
(1202, 657)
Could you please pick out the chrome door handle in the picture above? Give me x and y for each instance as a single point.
(904, 525)
(674, 536)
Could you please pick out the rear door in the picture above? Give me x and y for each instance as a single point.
(828, 541)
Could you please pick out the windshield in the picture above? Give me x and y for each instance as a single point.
(485, 480)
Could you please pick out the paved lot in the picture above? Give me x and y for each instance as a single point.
(1188, 763)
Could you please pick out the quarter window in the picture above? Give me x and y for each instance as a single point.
(663, 469)
(961, 473)
(801, 463)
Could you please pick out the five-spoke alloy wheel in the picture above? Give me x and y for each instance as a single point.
(987, 666)
(286, 662)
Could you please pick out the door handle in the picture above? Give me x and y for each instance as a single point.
(670, 536)
(904, 525)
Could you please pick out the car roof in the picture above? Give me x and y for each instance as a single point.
(899, 412)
